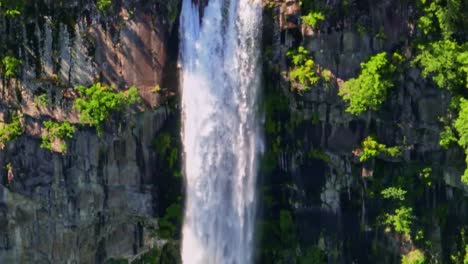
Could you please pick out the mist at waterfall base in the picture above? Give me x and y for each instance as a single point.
(220, 84)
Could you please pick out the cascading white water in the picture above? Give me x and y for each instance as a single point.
(220, 85)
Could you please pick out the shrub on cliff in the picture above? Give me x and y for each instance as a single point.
(103, 5)
(369, 90)
(415, 256)
(304, 71)
(312, 18)
(461, 125)
(12, 8)
(446, 63)
(54, 139)
(371, 148)
(96, 102)
(10, 131)
(10, 66)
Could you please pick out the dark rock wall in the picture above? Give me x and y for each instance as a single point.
(100, 199)
(332, 196)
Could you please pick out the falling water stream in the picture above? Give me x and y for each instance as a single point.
(220, 86)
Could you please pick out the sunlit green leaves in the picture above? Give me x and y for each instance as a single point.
(96, 102)
(369, 90)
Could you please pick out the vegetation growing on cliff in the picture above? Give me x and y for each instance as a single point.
(96, 102)
(104, 5)
(55, 136)
(461, 125)
(446, 63)
(304, 70)
(10, 131)
(10, 66)
(415, 256)
(370, 148)
(12, 8)
(312, 18)
(369, 90)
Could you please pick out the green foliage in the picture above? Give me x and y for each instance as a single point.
(10, 131)
(166, 148)
(465, 259)
(304, 71)
(371, 148)
(401, 220)
(441, 16)
(369, 90)
(56, 133)
(394, 193)
(426, 176)
(446, 62)
(447, 137)
(312, 18)
(104, 5)
(10, 66)
(42, 100)
(169, 224)
(461, 125)
(415, 256)
(12, 8)
(95, 103)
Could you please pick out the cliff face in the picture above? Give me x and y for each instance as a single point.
(313, 144)
(100, 199)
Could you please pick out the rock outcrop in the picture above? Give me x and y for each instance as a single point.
(99, 200)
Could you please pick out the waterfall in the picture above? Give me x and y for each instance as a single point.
(220, 85)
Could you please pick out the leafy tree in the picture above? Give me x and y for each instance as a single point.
(401, 220)
(447, 137)
(56, 133)
(104, 5)
(445, 62)
(312, 18)
(169, 224)
(10, 131)
(10, 66)
(394, 193)
(461, 125)
(95, 103)
(369, 90)
(415, 256)
(12, 8)
(441, 16)
(304, 71)
(371, 148)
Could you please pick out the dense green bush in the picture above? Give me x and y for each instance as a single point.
(96, 102)
(461, 125)
(304, 70)
(10, 66)
(401, 220)
(12, 8)
(369, 90)
(104, 5)
(415, 256)
(56, 133)
(445, 62)
(394, 193)
(10, 131)
(441, 17)
(171, 221)
(312, 18)
(370, 148)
